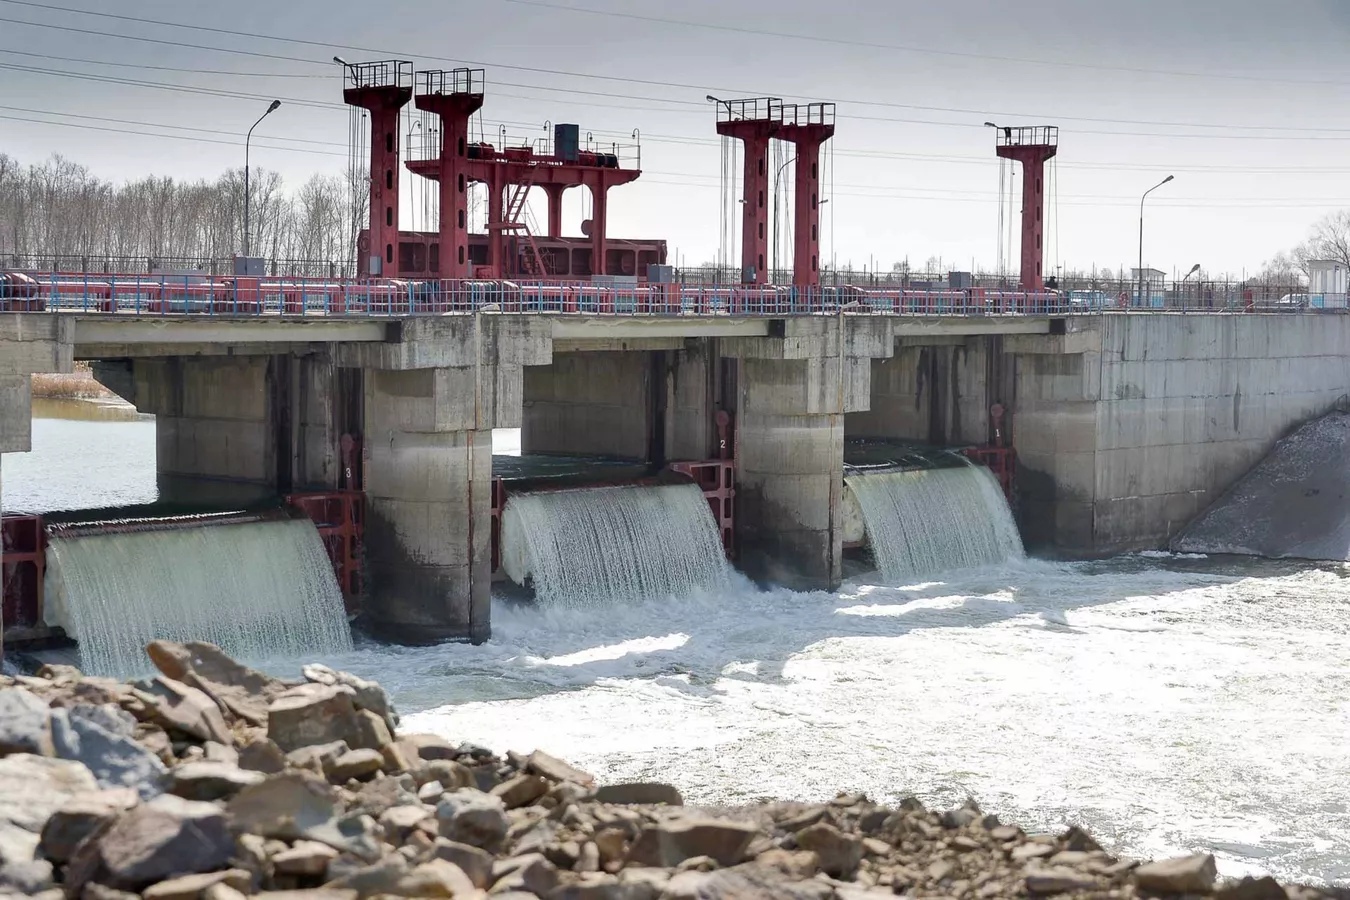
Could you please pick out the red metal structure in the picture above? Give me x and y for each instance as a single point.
(997, 456)
(754, 122)
(563, 258)
(806, 126)
(339, 517)
(454, 96)
(382, 89)
(1032, 147)
(23, 559)
(510, 173)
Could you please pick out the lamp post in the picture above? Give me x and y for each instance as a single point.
(776, 176)
(247, 195)
(1141, 233)
(412, 204)
(1194, 269)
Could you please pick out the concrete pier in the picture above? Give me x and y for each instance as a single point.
(28, 345)
(431, 402)
(793, 394)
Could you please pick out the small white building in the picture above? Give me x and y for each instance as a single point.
(1327, 282)
(1151, 289)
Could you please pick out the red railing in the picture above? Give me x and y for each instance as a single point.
(23, 560)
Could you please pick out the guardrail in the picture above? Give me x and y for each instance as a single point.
(150, 295)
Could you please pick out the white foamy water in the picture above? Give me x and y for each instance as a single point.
(1170, 707)
(1169, 704)
(925, 522)
(601, 546)
(262, 591)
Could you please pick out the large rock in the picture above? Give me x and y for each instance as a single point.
(368, 695)
(34, 787)
(297, 805)
(193, 887)
(541, 763)
(744, 883)
(1291, 505)
(177, 706)
(243, 691)
(476, 863)
(313, 714)
(101, 738)
(839, 853)
(1058, 880)
(284, 806)
(163, 839)
(521, 790)
(211, 780)
(26, 878)
(474, 818)
(262, 755)
(640, 793)
(667, 844)
(436, 878)
(305, 858)
(355, 764)
(80, 817)
(24, 723)
(1184, 875)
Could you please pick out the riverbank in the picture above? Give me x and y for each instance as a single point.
(77, 385)
(215, 781)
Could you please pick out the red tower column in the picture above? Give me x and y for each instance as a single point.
(454, 96)
(753, 122)
(554, 192)
(807, 128)
(599, 225)
(382, 89)
(495, 210)
(1032, 147)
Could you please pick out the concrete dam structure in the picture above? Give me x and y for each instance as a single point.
(351, 419)
(1125, 425)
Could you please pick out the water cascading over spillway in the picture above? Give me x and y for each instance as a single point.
(612, 544)
(260, 590)
(928, 521)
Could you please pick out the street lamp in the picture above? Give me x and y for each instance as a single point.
(247, 196)
(415, 126)
(1141, 233)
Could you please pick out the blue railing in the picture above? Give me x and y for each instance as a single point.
(193, 294)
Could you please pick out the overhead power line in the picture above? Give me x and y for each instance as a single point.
(872, 192)
(909, 48)
(328, 46)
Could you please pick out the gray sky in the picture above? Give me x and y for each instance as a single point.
(914, 171)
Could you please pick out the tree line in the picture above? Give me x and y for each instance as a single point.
(57, 214)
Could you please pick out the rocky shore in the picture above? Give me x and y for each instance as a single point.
(217, 782)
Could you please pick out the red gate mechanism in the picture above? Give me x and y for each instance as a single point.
(717, 479)
(339, 517)
(998, 458)
(23, 559)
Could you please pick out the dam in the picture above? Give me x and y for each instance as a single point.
(1124, 428)
(350, 419)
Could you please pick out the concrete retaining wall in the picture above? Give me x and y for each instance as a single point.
(1131, 425)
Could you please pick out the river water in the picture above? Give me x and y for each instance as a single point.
(1168, 704)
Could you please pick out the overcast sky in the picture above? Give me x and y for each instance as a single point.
(1240, 99)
